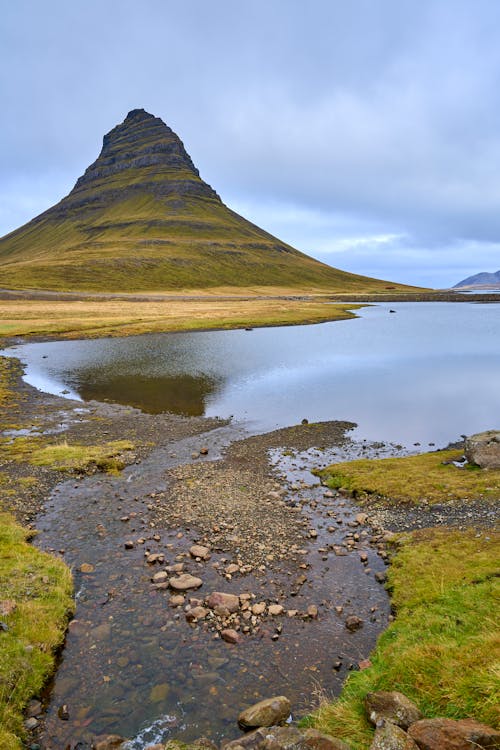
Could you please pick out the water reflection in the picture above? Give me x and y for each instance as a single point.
(428, 373)
(180, 394)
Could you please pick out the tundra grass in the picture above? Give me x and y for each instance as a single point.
(443, 649)
(62, 456)
(36, 589)
(72, 319)
(427, 478)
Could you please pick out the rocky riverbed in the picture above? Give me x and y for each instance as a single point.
(214, 571)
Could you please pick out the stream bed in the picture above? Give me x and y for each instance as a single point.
(132, 664)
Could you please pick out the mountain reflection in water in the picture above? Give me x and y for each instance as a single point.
(180, 394)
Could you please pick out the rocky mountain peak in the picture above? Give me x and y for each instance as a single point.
(142, 143)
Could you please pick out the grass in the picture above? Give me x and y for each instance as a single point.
(72, 319)
(40, 586)
(415, 479)
(443, 649)
(106, 457)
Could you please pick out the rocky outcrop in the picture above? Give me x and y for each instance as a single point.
(483, 449)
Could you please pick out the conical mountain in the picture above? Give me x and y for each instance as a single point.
(142, 219)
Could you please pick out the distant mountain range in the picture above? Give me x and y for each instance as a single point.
(482, 280)
(142, 219)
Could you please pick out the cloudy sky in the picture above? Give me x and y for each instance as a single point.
(365, 133)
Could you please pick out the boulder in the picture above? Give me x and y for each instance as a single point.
(266, 713)
(483, 449)
(391, 737)
(231, 602)
(392, 706)
(448, 734)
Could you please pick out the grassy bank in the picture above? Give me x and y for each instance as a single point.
(428, 478)
(443, 649)
(35, 602)
(71, 319)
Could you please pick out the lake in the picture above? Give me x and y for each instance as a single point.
(426, 373)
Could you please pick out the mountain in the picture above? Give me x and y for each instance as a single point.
(482, 280)
(142, 219)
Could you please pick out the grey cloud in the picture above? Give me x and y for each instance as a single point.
(382, 111)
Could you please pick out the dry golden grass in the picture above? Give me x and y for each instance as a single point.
(121, 317)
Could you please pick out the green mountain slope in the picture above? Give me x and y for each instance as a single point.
(142, 219)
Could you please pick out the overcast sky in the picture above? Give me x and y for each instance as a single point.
(363, 132)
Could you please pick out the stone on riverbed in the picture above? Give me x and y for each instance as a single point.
(483, 449)
(185, 582)
(392, 706)
(199, 550)
(266, 713)
(108, 742)
(231, 602)
(230, 636)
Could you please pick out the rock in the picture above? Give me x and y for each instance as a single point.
(129, 544)
(259, 608)
(391, 737)
(353, 623)
(63, 712)
(184, 582)
(196, 613)
(312, 611)
(392, 706)
(34, 708)
(448, 734)
(86, 568)
(160, 577)
(108, 742)
(231, 602)
(265, 713)
(361, 518)
(318, 741)
(7, 607)
(204, 451)
(198, 550)
(232, 569)
(381, 576)
(31, 724)
(159, 693)
(483, 449)
(275, 610)
(177, 600)
(230, 636)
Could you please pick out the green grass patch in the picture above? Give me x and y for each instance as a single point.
(443, 649)
(415, 479)
(39, 587)
(62, 456)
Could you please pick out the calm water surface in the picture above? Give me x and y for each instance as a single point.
(426, 373)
